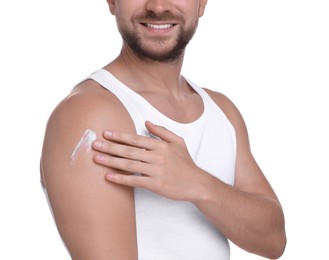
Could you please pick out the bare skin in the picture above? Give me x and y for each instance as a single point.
(93, 205)
(88, 210)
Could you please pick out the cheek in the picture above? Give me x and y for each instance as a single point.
(124, 24)
(191, 12)
(127, 8)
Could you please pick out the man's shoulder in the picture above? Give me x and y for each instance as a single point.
(220, 99)
(90, 105)
(90, 96)
(227, 106)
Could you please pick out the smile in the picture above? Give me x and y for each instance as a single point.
(159, 26)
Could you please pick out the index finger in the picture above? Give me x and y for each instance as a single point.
(135, 140)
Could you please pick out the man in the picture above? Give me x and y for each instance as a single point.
(180, 178)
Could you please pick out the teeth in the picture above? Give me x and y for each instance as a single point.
(159, 26)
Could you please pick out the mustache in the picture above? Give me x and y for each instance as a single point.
(164, 16)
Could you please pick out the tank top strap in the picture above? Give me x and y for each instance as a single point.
(123, 93)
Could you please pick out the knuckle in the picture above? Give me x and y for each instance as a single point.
(164, 145)
(134, 141)
(160, 159)
(131, 165)
(110, 161)
(159, 185)
(121, 137)
(128, 151)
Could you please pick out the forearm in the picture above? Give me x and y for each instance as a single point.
(254, 222)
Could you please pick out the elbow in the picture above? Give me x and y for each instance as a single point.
(276, 245)
(273, 249)
(274, 242)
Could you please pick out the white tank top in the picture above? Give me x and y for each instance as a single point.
(177, 230)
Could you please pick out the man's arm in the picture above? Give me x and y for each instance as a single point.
(253, 218)
(249, 213)
(95, 218)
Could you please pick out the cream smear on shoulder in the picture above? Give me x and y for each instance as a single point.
(84, 145)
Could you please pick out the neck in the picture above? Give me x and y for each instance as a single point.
(144, 75)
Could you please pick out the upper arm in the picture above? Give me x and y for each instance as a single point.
(248, 176)
(95, 218)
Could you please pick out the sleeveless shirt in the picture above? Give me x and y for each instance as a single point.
(177, 230)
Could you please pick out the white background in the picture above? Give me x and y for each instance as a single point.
(270, 57)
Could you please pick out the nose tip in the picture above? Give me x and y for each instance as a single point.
(158, 6)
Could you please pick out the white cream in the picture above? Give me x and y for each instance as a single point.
(84, 145)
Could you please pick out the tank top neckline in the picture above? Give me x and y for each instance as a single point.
(162, 117)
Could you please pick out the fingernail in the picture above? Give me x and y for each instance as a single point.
(110, 177)
(108, 133)
(98, 144)
(99, 157)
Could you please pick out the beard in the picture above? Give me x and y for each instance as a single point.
(161, 53)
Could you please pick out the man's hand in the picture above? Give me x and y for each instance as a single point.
(163, 165)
